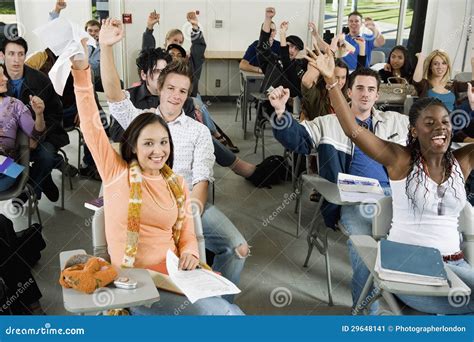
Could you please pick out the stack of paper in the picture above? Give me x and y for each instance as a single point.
(195, 285)
(410, 264)
(9, 168)
(95, 204)
(358, 189)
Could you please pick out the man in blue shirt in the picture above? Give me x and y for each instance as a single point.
(250, 61)
(336, 153)
(376, 39)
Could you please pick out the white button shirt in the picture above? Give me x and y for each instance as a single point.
(193, 150)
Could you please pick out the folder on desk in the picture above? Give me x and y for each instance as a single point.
(410, 264)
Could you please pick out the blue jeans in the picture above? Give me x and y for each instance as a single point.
(206, 117)
(171, 304)
(224, 156)
(6, 182)
(45, 158)
(222, 238)
(357, 220)
(444, 305)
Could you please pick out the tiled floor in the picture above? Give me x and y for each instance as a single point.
(273, 281)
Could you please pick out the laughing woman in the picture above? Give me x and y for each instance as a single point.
(145, 202)
(426, 177)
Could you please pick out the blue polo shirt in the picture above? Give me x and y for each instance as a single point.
(351, 59)
(251, 53)
(364, 166)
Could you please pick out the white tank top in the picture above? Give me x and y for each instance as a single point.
(421, 225)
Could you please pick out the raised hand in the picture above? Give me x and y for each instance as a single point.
(361, 42)
(111, 32)
(270, 13)
(284, 27)
(81, 62)
(192, 18)
(37, 104)
(60, 5)
(470, 95)
(153, 19)
(312, 28)
(370, 24)
(324, 62)
(278, 98)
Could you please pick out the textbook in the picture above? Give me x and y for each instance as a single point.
(358, 189)
(413, 264)
(94, 204)
(9, 168)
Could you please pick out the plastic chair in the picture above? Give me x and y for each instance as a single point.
(318, 233)
(366, 246)
(377, 57)
(21, 184)
(80, 142)
(99, 241)
(463, 76)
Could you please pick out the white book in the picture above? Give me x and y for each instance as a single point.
(358, 189)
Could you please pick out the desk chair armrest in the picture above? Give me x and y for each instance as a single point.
(327, 189)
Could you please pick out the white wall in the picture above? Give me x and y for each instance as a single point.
(446, 28)
(34, 13)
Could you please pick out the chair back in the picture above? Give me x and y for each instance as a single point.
(99, 241)
(377, 57)
(382, 220)
(463, 76)
(466, 227)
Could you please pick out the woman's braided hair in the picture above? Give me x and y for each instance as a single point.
(416, 158)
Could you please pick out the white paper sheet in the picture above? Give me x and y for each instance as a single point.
(198, 283)
(63, 37)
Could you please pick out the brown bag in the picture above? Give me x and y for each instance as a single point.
(86, 273)
(395, 91)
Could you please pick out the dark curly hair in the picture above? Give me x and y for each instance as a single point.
(416, 157)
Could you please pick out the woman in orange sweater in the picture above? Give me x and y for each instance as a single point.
(154, 219)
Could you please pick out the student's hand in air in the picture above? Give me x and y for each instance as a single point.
(37, 104)
(153, 19)
(270, 12)
(278, 98)
(81, 62)
(188, 262)
(324, 62)
(312, 27)
(284, 27)
(370, 24)
(192, 18)
(111, 32)
(470, 95)
(60, 5)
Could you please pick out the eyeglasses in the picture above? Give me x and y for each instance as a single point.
(440, 192)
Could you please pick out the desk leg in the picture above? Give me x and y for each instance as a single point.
(243, 109)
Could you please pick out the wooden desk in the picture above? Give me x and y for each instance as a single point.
(247, 77)
(237, 55)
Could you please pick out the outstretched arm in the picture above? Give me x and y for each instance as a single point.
(148, 40)
(110, 33)
(418, 74)
(387, 153)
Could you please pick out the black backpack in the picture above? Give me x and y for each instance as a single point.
(30, 243)
(272, 170)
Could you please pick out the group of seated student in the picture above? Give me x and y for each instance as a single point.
(415, 171)
(169, 142)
